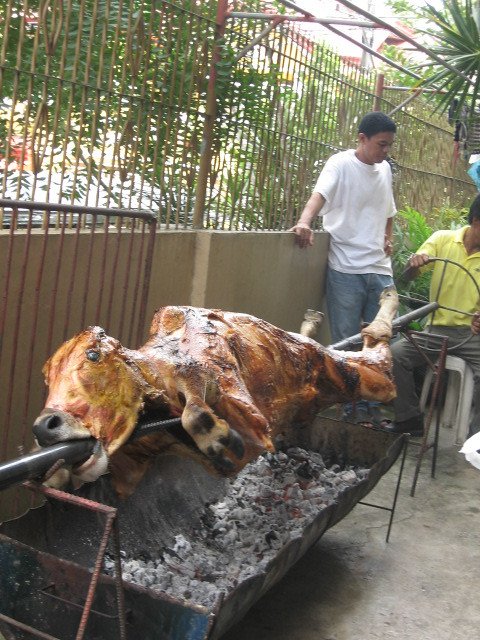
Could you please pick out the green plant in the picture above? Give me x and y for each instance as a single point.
(410, 230)
(455, 31)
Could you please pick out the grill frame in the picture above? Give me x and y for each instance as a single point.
(30, 566)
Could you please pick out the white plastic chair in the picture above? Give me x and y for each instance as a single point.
(458, 398)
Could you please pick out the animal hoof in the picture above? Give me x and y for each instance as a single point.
(234, 442)
(222, 464)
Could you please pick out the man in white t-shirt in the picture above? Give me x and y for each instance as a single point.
(355, 198)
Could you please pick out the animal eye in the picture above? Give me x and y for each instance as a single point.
(92, 355)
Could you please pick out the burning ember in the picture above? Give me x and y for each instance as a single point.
(267, 504)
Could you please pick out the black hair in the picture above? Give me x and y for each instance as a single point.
(474, 213)
(376, 122)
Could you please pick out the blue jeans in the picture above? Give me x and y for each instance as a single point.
(352, 298)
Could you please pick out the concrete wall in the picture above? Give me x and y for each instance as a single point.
(261, 273)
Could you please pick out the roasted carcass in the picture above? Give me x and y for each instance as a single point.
(235, 380)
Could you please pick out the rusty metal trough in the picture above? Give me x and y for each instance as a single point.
(48, 554)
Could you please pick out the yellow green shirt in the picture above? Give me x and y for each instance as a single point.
(457, 289)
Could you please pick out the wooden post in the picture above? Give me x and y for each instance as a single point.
(209, 123)
(379, 85)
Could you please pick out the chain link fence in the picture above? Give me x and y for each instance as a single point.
(106, 103)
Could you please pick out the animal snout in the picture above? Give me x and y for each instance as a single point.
(52, 427)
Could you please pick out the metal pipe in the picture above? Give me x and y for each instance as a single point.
(6, 203)
(385, 25)
(391, 63)
(35, 465)
(414, 95)
(398, 323)
(404, 36)
(258, 39)
(312, 19)
(424, 89)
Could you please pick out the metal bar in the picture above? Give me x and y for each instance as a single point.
(59, 268)
(404, 36)
(399, 107)
(17, 326)
(258, 38)
(374, 53)
(110, 517)
(6, 295)
(137, 280)
(27, 628)
(47, 593)
(35, 464)
(399, 322)
(439, 370)
(77, 208)
(147, 272)
(86, 279)
(110, 514)
(122, 615)
(33, 326)
(424, 89)
(126, 284)
(69, 292)
(397, 490)
(274, 16)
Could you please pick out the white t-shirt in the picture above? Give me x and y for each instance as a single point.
(359, 200)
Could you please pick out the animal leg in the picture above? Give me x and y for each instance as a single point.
(380, 329)
(212, 435)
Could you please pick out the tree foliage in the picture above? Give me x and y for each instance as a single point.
(455, 33)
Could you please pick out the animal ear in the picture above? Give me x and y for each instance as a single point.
(46, 369)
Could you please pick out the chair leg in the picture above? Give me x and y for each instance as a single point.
(451, 406)
(464, 409)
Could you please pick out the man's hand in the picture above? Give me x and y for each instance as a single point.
(303, 229)
(388, 246)
(417, 260)
(303, 234)
(476, 323)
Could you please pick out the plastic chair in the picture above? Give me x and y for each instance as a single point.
(458, 398)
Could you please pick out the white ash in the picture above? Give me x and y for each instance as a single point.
(266, 505)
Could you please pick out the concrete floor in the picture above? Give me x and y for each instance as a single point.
(422, 585)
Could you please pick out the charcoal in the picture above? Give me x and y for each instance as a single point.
(269, 503)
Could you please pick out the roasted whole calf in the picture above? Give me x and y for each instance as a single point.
(235, 380)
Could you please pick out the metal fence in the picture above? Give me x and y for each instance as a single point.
(66, 268)
(117, 104)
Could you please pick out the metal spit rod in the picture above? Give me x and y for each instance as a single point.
(398, 323)
(38, 463)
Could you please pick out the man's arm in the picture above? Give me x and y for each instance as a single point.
(303, 228)
(388, 245)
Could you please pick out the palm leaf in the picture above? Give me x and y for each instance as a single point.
(457, 39)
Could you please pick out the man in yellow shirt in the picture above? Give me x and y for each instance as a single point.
(457, 291)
